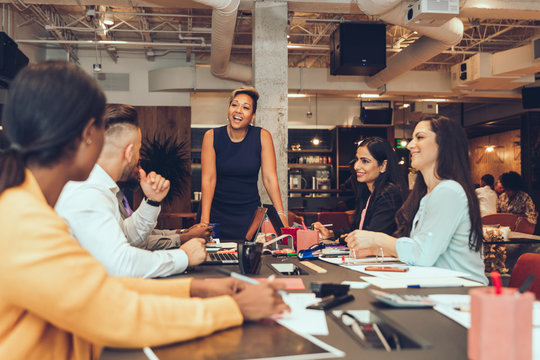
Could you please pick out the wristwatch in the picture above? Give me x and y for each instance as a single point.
(152, 202)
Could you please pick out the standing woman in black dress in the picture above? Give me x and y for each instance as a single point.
(231, 158)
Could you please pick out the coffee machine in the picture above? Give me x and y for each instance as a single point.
(295, 181)
(322, 179)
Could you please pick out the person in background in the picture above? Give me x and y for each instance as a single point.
(379, 193)
(158, 239)
(92, 212)
(57, 301)
(231, 158)
(498, 188)
(439, 224)
(514, 199)
(487, 197)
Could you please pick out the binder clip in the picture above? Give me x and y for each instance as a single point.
(331, 295)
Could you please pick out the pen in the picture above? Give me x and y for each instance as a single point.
(418, 286)
(525, 286)
(496, 278)
(387, 268)
(248, 279)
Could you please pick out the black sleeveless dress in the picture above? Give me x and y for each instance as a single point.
(236, 196)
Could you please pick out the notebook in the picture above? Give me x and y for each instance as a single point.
(222, 258)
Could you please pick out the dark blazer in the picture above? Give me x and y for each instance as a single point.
(380, 213)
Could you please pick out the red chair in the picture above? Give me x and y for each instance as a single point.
(524, 226)
(528, 263)
(502, 219)
(339, 220)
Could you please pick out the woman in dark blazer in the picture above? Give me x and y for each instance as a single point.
(379, 194)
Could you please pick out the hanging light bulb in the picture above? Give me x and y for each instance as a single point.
(315, 141)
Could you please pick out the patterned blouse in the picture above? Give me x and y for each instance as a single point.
(520, 204)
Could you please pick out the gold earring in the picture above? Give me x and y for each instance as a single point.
(88, 141)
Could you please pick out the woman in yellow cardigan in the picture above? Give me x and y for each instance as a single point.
(56, 301)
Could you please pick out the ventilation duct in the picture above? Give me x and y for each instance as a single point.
(436, 40)
(223, 24)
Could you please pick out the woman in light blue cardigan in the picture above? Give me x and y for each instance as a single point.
(439, 224)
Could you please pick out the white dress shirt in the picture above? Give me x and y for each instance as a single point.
(487, 197)
(91, 210)
(440, 233)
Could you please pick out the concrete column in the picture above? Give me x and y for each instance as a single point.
(270, 78)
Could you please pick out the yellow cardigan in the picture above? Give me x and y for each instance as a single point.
(57, 301)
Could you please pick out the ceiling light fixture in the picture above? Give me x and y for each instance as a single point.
(296, 95)
(371, 96)
(108, 19)
(433, 100)
(490, 148)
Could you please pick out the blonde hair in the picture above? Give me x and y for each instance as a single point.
(249, 91)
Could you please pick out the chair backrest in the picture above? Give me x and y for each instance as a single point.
(339, 220)
(524, 226)
(503, 219)
(528, 263)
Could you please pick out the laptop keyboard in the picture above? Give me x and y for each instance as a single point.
(224, 257)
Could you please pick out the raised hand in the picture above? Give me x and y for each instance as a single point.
(154, 186)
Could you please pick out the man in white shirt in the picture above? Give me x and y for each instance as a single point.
(91, 210)
(487, 196)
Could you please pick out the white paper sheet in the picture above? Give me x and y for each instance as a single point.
(347, 260)
(384, 283)
(302, 320)
(356, 284)
(415, 272)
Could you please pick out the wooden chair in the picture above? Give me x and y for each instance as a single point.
(528, 263)
(339, 220)
(503, 219)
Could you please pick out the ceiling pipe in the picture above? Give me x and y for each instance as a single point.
(438, 38)
(223, 24)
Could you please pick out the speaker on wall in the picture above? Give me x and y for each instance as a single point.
(530, 97)
(358, 49)
(12, 60)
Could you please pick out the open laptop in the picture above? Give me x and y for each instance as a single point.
(222, 258)
(274, 218)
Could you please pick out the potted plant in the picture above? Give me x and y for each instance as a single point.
(169, 157)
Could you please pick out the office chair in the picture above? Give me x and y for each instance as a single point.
(502, 219)
(528, 263)
(525, 226)
(339, 220)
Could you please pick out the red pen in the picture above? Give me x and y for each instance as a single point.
(496, 279)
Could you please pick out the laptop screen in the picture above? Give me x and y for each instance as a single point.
(277, 224)
(256, 223)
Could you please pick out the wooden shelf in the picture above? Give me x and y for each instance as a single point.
(310, 151)
(300, 166)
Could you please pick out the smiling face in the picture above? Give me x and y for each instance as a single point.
(240, 112)
(367, 168)
(423, 147)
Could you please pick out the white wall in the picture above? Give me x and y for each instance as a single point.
(137, 67)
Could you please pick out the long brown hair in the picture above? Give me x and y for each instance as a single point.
(452, 164)
(48, 105)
